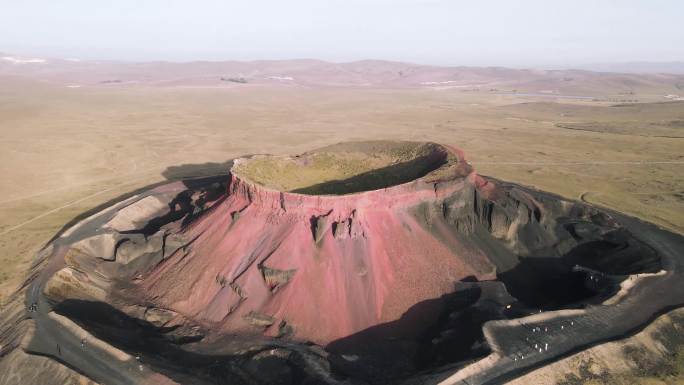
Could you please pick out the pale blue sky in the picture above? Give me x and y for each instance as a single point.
(451, 32)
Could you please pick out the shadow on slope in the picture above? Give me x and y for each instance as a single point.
(431, 334)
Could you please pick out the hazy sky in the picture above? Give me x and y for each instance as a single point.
(453, 32)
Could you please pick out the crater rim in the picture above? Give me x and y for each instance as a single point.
(352, 168)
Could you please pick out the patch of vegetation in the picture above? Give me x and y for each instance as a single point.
(646, 365)
(586, 375)
(648, 370)
(221, 280)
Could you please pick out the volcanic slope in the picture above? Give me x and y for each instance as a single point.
(362, 262)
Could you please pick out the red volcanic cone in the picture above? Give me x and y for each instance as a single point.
(325, 244)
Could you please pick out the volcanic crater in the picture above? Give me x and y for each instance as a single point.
(362, 262)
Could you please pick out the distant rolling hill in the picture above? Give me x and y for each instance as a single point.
(311, 73)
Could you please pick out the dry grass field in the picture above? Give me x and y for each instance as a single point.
(64, 150)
